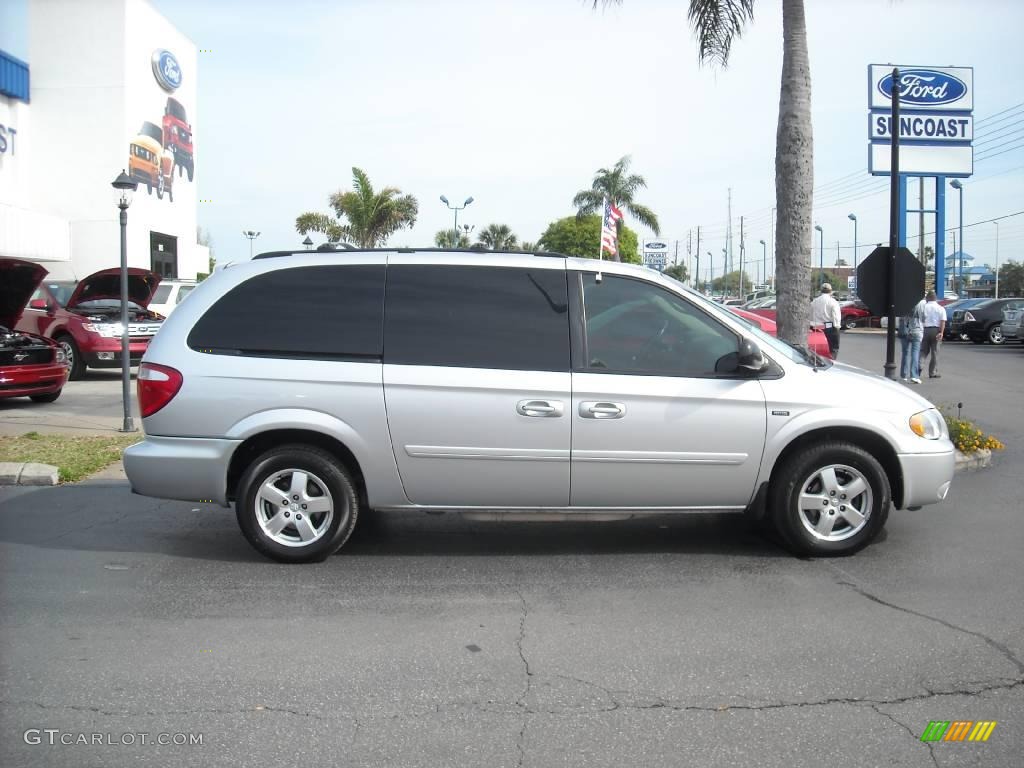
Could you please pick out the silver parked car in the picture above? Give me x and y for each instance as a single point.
(1011, 326)
(308, 388)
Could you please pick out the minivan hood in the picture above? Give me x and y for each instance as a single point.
(848, 384)
(106, 284)
(18, 281)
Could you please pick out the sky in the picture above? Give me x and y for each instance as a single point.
(517, 102)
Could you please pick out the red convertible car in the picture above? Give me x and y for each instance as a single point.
(816, 339)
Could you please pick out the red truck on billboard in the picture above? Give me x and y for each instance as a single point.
(178, 136)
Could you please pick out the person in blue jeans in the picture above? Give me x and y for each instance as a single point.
(910, 330)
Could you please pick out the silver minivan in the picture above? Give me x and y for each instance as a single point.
(309, 388)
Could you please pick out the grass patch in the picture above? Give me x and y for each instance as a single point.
(75, 457)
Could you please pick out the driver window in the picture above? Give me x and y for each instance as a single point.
(638, 328)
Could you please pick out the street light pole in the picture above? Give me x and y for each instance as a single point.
(456, 208)
(251, 235)
(955, 184)
(997, 258)
(125, 187)
(711, 268)
(764, 265)
(821, 254)
(853, 218)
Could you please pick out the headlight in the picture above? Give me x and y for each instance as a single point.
(61, 359)
(928, 424)
(106, 330)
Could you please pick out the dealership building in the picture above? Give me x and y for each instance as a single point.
(88, 89)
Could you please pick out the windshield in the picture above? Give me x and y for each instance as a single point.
(105, 304)
(765, 340)
(62, 290)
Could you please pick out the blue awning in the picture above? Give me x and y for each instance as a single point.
(13, 77)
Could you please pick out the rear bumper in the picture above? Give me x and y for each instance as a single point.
(24, 380)
(926, 477)
(187, 468)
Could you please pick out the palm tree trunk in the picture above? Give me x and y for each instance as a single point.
(794, 179)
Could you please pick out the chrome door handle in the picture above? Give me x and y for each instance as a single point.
(596, 409)
(540, 408)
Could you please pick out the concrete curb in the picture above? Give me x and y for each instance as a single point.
(976, 460)
(27, 473)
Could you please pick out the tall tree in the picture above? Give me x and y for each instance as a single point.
(372, 217)
(498, 237)
(715, 24)
(575, 236)
(620, 187)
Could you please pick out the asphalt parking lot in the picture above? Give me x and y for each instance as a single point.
(433, 641)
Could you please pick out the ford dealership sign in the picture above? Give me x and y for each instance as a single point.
(943, 89)
(925, 88)
(166, 70)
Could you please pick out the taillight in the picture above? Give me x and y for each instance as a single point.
(158, 384)
(968, 317)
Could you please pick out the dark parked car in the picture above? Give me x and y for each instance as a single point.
(983, 322)
(85, 317)
(955, 318)
(30, 366)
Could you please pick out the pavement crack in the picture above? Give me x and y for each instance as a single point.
(1000, 648)
(521, 701)
(913, 735)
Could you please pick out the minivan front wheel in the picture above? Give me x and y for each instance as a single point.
(830, 499)
(297, 504)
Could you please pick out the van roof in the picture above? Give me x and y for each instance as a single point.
(348, 248)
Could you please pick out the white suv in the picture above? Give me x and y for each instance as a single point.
(169, 294)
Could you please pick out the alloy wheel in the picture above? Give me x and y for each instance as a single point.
(294, 507)
(835, 502)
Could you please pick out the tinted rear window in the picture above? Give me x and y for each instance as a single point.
(313, 312)
(477, 317)
(162, 292)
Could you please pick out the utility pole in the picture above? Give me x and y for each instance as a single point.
(727, 268)
(675, 259)
(698, 258)
(741, 258)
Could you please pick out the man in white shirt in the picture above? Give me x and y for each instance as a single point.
(934, 325)
(826, 315)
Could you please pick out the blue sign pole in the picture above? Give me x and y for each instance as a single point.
(940, 236)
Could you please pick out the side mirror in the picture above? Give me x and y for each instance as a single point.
(37, 304)
(750, 358)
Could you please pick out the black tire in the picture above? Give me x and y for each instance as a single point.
(790, 480)
(324, 467)
(849, 324)
(45, 398)
(74, 356)
(995, 334)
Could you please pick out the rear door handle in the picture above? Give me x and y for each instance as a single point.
(540, 408)
(599, 409)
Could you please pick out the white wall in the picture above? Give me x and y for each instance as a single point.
(92, 88)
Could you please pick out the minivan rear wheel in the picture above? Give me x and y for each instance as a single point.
(830, 499)
(297, 504)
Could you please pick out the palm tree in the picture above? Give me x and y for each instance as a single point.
(529, 247)
(716, 23)
(498, 237)
(446, 239)
(372, 216)
(619, 186)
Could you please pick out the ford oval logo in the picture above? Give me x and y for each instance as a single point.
(166, 70)
(925, 87)
(654, 245)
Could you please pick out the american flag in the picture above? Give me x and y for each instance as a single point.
(609, 234)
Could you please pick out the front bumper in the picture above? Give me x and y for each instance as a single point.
(926, 477)
(25, 380)
(187, 468)
(106, 353)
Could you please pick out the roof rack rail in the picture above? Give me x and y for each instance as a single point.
(334, 247)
